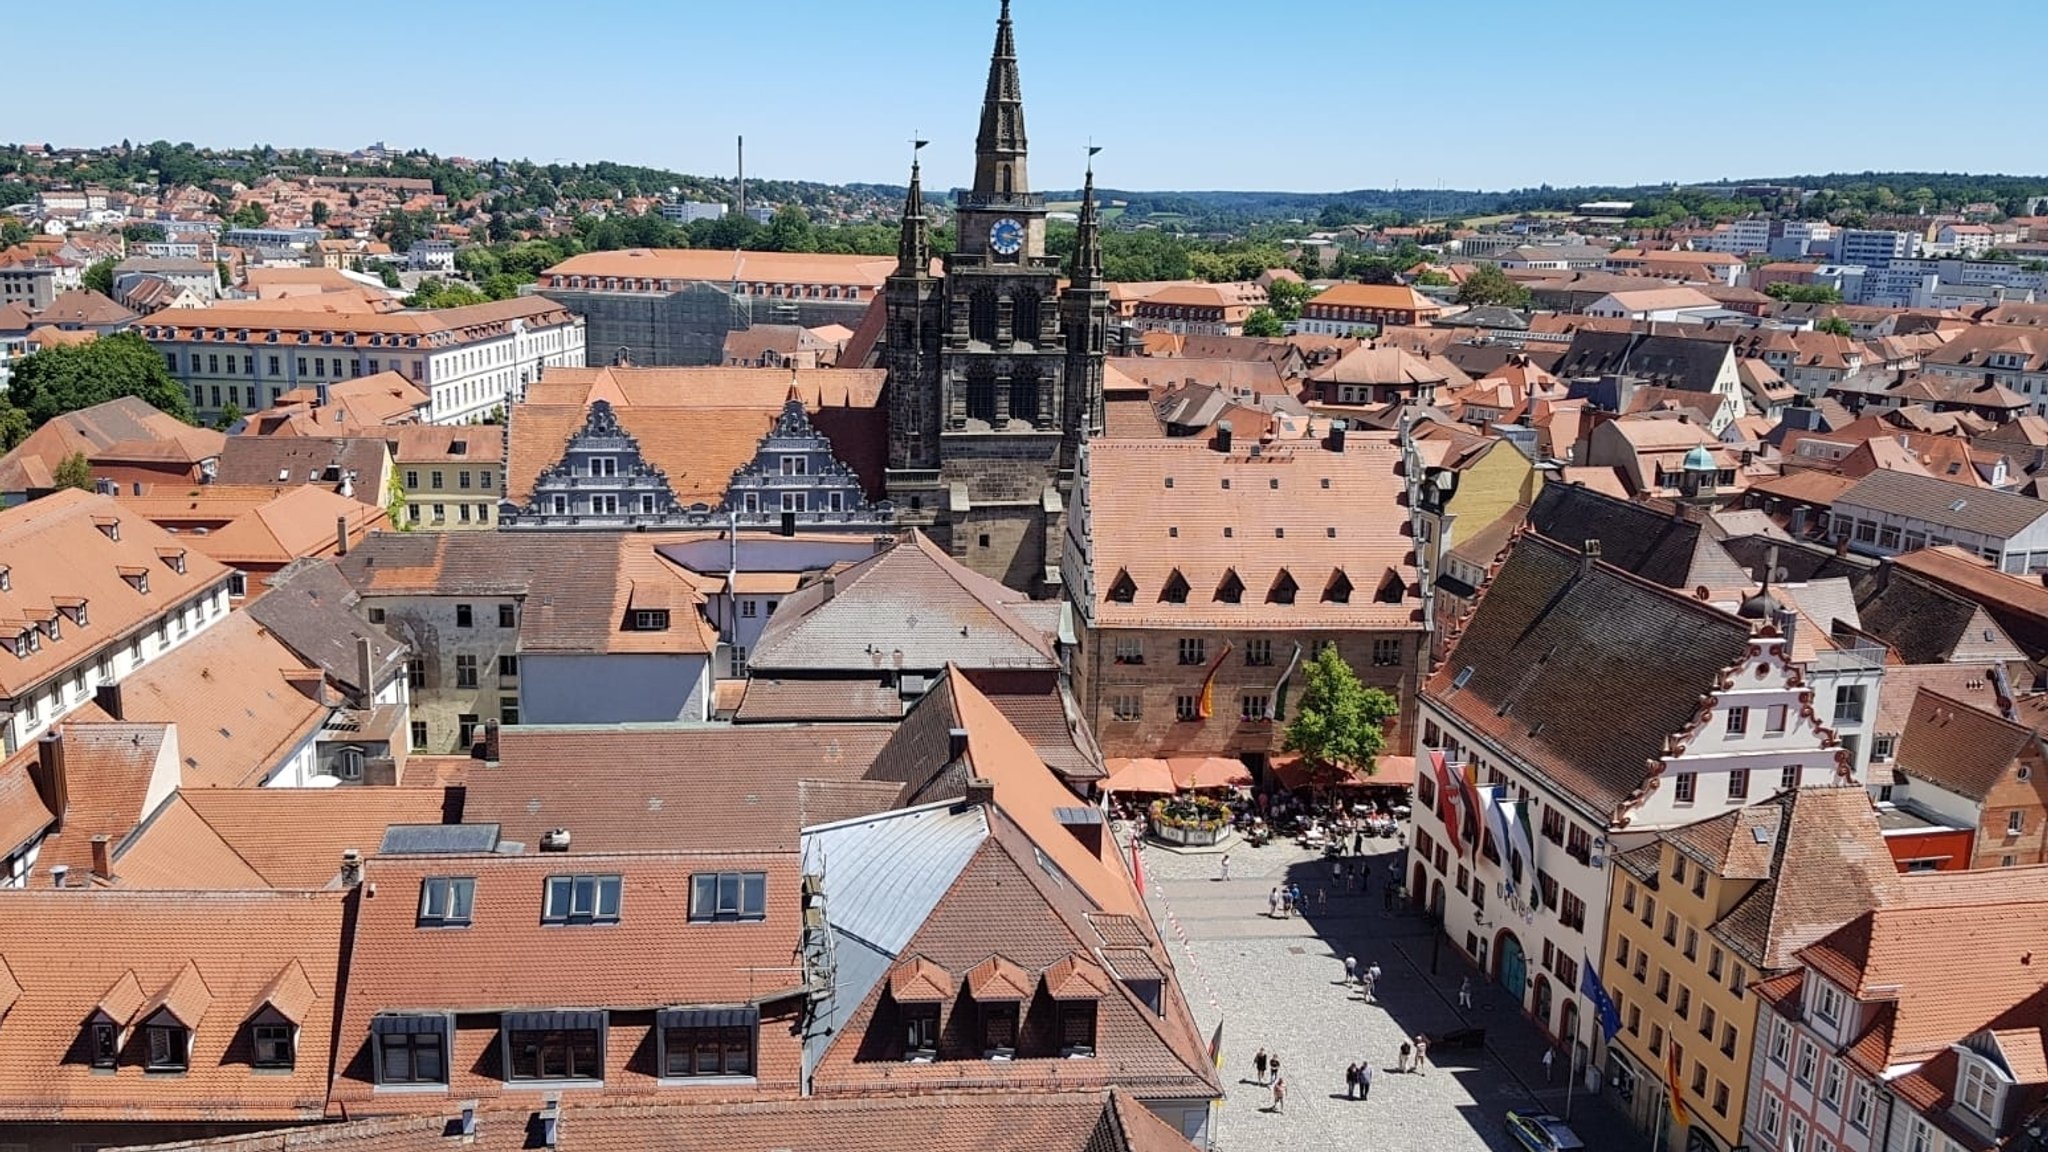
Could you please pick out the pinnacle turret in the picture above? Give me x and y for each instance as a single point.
(1000, 146)
(913, 247)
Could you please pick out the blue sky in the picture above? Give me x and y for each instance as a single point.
(1309, 95)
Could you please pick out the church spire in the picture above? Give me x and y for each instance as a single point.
(1087, 272)
(999, 147)
(913, 247)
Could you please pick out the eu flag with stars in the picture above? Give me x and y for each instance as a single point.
(1589, 984)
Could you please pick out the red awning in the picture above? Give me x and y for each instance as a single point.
(1139, 774)
(1197, 772)
(1389, 772)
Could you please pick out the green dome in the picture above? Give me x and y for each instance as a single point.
(1700, 460)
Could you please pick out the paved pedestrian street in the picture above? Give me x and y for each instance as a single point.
(1278, 983)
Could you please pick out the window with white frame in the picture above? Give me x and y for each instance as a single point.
(1977, 1088)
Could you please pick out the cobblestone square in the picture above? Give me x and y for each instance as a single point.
(1278, 984)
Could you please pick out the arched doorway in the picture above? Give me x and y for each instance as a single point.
(1568, 1020)
(1420, 885)
(1436, 899)
(1539, 1003)
(1510, 967)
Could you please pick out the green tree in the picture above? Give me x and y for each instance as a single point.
(1288, 296)
(229, 417)
(1803, 293)
(435, 292)
(394, 503)
(1340, 723)
(1489, 285)
(1264, 322)
(389, 276)
(143, 233)
(1833, 326)
(67, 377)
(75, 471)
(99, 277)
(13, 232)
(790, 231)
(227, 278)
(320, 213)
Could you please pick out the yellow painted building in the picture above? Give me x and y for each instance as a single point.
(452, 476)
(1698, 914)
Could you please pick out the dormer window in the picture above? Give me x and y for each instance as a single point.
(651, 620)
(169, 1045)
(999, 1030)
(1978, 1088)
(106, 1044)
(6, 578)
(728, 896)
(109, 526)
(582, 900)
(1123, 590)
(175, 557)
(1231, 590)
(272, 1045)
(921, 1032)
(137, 578)
(411, 1049)
(1283, 590)
(1176, 589)
(1077, 1028)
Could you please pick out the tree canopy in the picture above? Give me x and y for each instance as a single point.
(1803, 293)
(1341, 721)
(67, 377)
(75, 471)
(1264, 322)
(1489, 285)
(99, 277)
(434, 292)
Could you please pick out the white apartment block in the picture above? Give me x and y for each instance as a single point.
(470, 361)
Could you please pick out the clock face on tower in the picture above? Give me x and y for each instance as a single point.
(1006, 236)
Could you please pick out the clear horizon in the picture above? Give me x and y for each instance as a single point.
(1181, 96)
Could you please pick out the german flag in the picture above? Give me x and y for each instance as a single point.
(1672, 1075)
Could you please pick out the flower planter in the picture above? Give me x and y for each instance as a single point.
(1186, 836)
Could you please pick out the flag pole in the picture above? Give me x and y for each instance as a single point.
(1571, 1074)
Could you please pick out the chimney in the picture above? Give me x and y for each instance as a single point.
(981, 791)
(57, 874)
(52, 781)
(1336, 438)
(1223, 435)
(1788, 623)
(788, 524)
(341, 535)
(555, 840)
(956, 744)
(1589, 556)
(831, 586)
(102, 857)
(366, 672)
(108, 697)
(351, 867)
(490, 742)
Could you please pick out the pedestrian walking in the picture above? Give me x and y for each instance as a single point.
(1351, 1082)
(1259, 1065)
(1401, 1065)
(1294, 895)
(1273, 1066)
(1279, 1093)
(1358, 842)
(1350, 969)
(1374, 972)
(1465, 993)
(1421, 1052)
(1273, 904)
(1549, 1058)
(1365, 1080)
(1224, 867)
(1322, 898)
(1368, 983)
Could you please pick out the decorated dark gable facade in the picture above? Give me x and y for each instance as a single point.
(795, 472)
(603, 481)
(995, 372)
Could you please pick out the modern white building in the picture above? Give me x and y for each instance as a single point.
(1889, 512)
(1875, 247)
(470, 361)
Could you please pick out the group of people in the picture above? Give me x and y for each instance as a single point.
(1285, 900)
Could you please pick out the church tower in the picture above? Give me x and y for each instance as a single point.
(911, 339)
(995, 374)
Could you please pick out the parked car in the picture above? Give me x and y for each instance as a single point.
(1542, 1132)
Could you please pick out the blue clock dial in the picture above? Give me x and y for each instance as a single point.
(1006, 236)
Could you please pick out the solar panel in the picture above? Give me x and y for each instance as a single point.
(438, 839)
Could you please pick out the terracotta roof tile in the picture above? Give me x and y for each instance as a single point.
(1828, 864)
(281, 837)
(919, 981)
(722, 267)
(72, 546)
(1958, 747)
(998, 978)
(206, 956)
(1296, 515)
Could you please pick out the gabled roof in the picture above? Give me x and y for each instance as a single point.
(1958, 506)
(301, 522)
(1556, 639)
(1068, 1120)
(1648, 540)
(1825, 863)
(309, 609)
(910, 607)
(124, 430)
(1924, 622)
(700, 788)
(211, 958)
(1958, 747)
(308, 460)
(63, 547)
(114, 778)
(248, 838)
